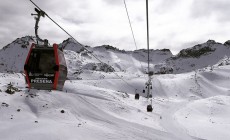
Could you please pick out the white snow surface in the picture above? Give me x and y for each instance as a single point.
(193, 105)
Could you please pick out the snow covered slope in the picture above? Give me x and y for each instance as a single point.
(13, 56)
(199, 56)
(187, 106)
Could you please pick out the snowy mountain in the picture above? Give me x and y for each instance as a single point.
(197, 57)
(70, 44)
(12, 57)
(192, 105)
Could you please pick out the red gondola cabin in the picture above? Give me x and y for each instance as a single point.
(45, 68)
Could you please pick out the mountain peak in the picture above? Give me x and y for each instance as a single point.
(109, 47)
(196, 57)
(22, 42)
(227, 43)
(198, 50)
(210, 41)
(70, 44)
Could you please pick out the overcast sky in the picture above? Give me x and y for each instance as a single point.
(174, 24)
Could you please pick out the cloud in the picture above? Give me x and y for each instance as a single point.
(173, 23)
(164, 6)
(92, 22)
(114, 2)
(16, 19)
(211, 8)
(13, 16)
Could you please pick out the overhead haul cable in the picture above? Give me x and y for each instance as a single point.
(81, 44)
(130, 24)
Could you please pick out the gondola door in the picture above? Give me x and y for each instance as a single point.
(40, 68)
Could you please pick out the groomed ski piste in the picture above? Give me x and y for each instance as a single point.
(194, 105)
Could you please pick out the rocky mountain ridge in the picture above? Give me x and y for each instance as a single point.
(12, 57)
(197, 57)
